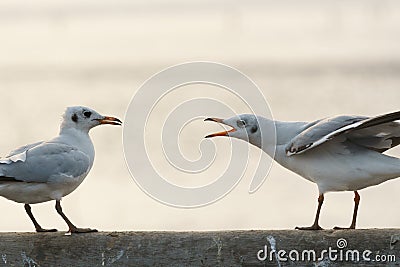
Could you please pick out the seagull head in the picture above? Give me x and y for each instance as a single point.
(84, 118)
(244, 127)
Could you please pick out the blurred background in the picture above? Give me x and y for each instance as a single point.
(311, 59)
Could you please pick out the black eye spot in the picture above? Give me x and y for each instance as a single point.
(254, 129)
(74, 118)
(87, 114)
(241, 123)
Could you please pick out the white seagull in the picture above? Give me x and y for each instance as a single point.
(342, 153)
(50, 170)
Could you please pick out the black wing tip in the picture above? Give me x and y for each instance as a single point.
(381, 119)
(8, 179)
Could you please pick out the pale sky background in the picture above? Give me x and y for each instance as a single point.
(311, 59)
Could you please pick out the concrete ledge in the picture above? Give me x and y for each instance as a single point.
(236, 248)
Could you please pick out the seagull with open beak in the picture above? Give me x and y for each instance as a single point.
(341, 153)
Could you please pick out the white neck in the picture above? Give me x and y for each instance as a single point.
(77, 138)
(275, 134)
(265, 137)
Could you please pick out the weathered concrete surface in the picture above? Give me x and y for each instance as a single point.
(237, 248)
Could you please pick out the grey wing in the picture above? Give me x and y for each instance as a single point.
(379, 133)
(320, 132)
(45, 162)
(379, 138)
(19, 154)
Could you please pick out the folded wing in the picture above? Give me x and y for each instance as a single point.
(44, 162)
(378, 133)
(18, 154)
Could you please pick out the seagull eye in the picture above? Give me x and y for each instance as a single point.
(87, 114)
(241, 123)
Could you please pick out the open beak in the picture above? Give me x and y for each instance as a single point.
(110, 120)
(224, 133)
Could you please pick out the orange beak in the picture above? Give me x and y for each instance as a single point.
(110, 120)
(224, 133)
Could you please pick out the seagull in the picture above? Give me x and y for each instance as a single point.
(341, 153)
(50, 170)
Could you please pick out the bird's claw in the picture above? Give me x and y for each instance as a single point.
(82, 230)
(344, 228)
(311, 228)
(41, 230)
